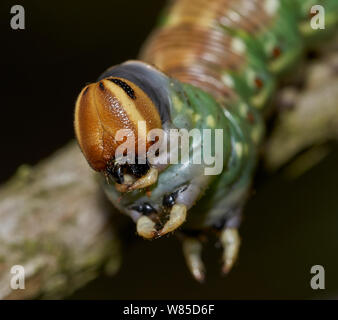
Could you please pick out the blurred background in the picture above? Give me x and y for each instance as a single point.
(289, 226)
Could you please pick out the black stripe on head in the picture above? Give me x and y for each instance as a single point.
(151, 81)
(126, 88)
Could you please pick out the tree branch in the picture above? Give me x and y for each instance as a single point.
(55, 224)
(309, 120)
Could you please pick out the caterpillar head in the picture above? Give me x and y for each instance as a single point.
(108, 116)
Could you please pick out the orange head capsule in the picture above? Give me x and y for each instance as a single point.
(105, 107)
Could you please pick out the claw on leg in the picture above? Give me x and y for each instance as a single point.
(192, 250)
(177, 216)
(230, 241)
(146, 227)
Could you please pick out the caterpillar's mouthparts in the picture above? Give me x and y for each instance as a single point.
(146, 228)
(131, 184)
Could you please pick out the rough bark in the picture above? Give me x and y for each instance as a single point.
(308, 117)
(55, 224)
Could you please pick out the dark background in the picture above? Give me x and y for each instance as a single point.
(289, 225)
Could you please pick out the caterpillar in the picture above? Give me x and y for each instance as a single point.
(209, 65)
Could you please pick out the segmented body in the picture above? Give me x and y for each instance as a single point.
(234, 50)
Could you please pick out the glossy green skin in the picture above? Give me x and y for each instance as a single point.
(242, 119)
(226, 195)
